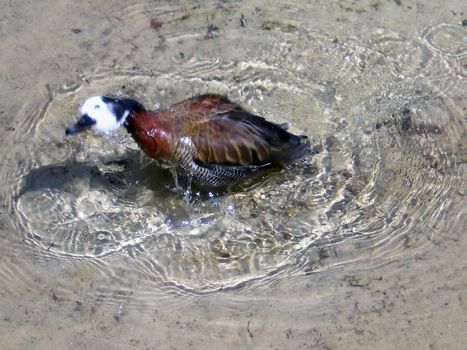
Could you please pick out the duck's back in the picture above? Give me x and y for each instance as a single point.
(224, 133)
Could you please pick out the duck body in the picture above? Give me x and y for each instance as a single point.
(212, 140)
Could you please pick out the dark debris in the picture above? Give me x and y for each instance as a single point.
(155, 24)
(242, 21)
(210, 31)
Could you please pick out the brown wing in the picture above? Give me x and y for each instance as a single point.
(224, 133)
(225, 141)
(206, 105)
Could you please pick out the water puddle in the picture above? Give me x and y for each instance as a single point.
(384, 117)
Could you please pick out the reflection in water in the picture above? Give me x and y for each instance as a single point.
(379, 116)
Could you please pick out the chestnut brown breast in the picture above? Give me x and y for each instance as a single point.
(152, 133)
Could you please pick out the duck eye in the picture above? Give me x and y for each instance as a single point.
(97, 106)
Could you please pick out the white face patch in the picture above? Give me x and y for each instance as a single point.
(105, 118)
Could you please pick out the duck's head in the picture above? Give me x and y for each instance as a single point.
(103, 114)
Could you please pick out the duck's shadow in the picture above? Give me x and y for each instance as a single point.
(122, 176)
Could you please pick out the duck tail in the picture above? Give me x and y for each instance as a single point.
(296, 148)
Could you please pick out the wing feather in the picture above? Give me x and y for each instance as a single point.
(224, 133)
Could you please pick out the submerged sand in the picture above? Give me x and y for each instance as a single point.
(413, 298)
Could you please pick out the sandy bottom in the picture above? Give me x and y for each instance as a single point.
(301, 289)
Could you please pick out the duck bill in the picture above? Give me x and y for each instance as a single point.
(75, 128)
(83, 124)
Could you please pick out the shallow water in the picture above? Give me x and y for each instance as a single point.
(94, 231)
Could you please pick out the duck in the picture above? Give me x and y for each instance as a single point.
(208, 138)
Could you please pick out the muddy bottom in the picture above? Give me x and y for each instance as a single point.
(360, 246)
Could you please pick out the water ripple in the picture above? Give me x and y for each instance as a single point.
(446, 38)
(383, 118)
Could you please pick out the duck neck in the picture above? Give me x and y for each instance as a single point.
(131, 109)
(133, 120)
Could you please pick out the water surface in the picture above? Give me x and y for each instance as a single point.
(99, 226)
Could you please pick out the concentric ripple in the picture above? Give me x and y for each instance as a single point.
(385, 162)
